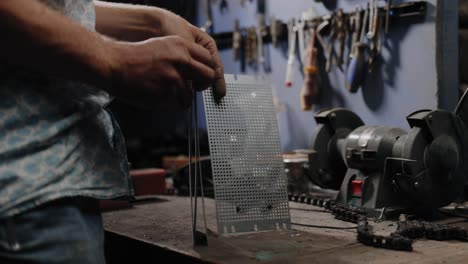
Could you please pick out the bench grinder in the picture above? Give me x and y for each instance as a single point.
(388, 168)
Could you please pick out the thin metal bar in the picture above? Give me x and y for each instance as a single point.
(199, 164)
(195, 116)
(190, 134)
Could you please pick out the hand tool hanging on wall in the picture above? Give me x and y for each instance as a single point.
(309, 91)
(208, 26)
(373, 35)
(274, 31)
(223, 6)
(291, 53)
(329, 51)
(340, 34)
(357, 67)
(262, 33)
(300, 26)
(319, 37)
(236, 41)
(355, 25)
(251, 46)
(387, 15)
(331, 43)
(249, 52)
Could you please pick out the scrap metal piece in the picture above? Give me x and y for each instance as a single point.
(248, 172)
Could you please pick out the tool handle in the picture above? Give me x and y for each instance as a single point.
(311, 48)
(357, 68)
(261, 29)
(309, 91)
(289, 72)
(291, 55)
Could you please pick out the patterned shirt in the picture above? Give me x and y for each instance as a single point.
(56, 137)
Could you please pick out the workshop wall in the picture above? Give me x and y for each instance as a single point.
(405, 80)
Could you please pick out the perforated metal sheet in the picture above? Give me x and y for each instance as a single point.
(249, 179)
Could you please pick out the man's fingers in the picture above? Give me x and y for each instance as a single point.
(206, 68)
(220, 83)
(208, 43)
(200, 72)
(201, 54)
(201, 85)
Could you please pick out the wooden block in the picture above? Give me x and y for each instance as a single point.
(149, 181)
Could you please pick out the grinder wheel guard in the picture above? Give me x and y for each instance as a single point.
(437, 143)
(327, 167)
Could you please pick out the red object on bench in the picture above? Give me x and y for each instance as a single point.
(148, 181)
(145, 182)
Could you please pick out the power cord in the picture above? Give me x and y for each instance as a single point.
(325, 227)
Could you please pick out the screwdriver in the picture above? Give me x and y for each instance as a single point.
(357, 67)
(291, 53)
(309, 90)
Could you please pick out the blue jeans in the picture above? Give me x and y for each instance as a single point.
(63, 231)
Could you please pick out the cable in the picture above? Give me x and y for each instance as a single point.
(308, 210)
(452, 213)
(325, 227)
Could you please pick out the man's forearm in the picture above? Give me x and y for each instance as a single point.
(38, 38)
(128, 22)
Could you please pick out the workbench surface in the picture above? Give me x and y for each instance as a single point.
(164, 223)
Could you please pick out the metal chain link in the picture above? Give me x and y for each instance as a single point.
(402, 239)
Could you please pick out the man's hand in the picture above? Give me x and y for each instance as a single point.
(151, 73)
(172, 24)
(138, 23)
(154, 72)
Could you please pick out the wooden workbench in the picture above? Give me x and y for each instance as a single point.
(161, 224)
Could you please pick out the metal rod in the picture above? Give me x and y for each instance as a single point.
(197, 142)
(194, 150)
(195, 116)
(189, 83)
